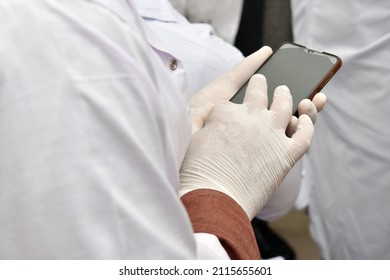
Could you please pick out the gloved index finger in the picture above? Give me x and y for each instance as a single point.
(228, 84)
(242, 72)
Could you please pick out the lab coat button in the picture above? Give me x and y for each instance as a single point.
(173, 64)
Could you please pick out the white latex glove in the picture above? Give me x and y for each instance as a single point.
(225, 86)
(228, 84)
(243, 150)
(308, 107)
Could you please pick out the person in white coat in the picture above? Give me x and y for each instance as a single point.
(347, 170)
(98, 158)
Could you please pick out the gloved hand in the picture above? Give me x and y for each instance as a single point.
(242, 149)
(227, 85)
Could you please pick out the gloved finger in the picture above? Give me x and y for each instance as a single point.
(228, 84)
(319, 101)
(282, 105)
(244, 70)
(292, 126)
(256, 93)
(306, 106)
(302, 137)
(200, 115)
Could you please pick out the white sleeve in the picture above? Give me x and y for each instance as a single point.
(90, 127)
(208, 247)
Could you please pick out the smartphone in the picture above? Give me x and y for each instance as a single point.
(304, 71)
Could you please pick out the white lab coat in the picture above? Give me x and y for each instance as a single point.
(349, 161)
(223, 15)
(204, 55)
(94, 126)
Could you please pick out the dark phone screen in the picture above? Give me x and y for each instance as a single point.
(297, 67)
